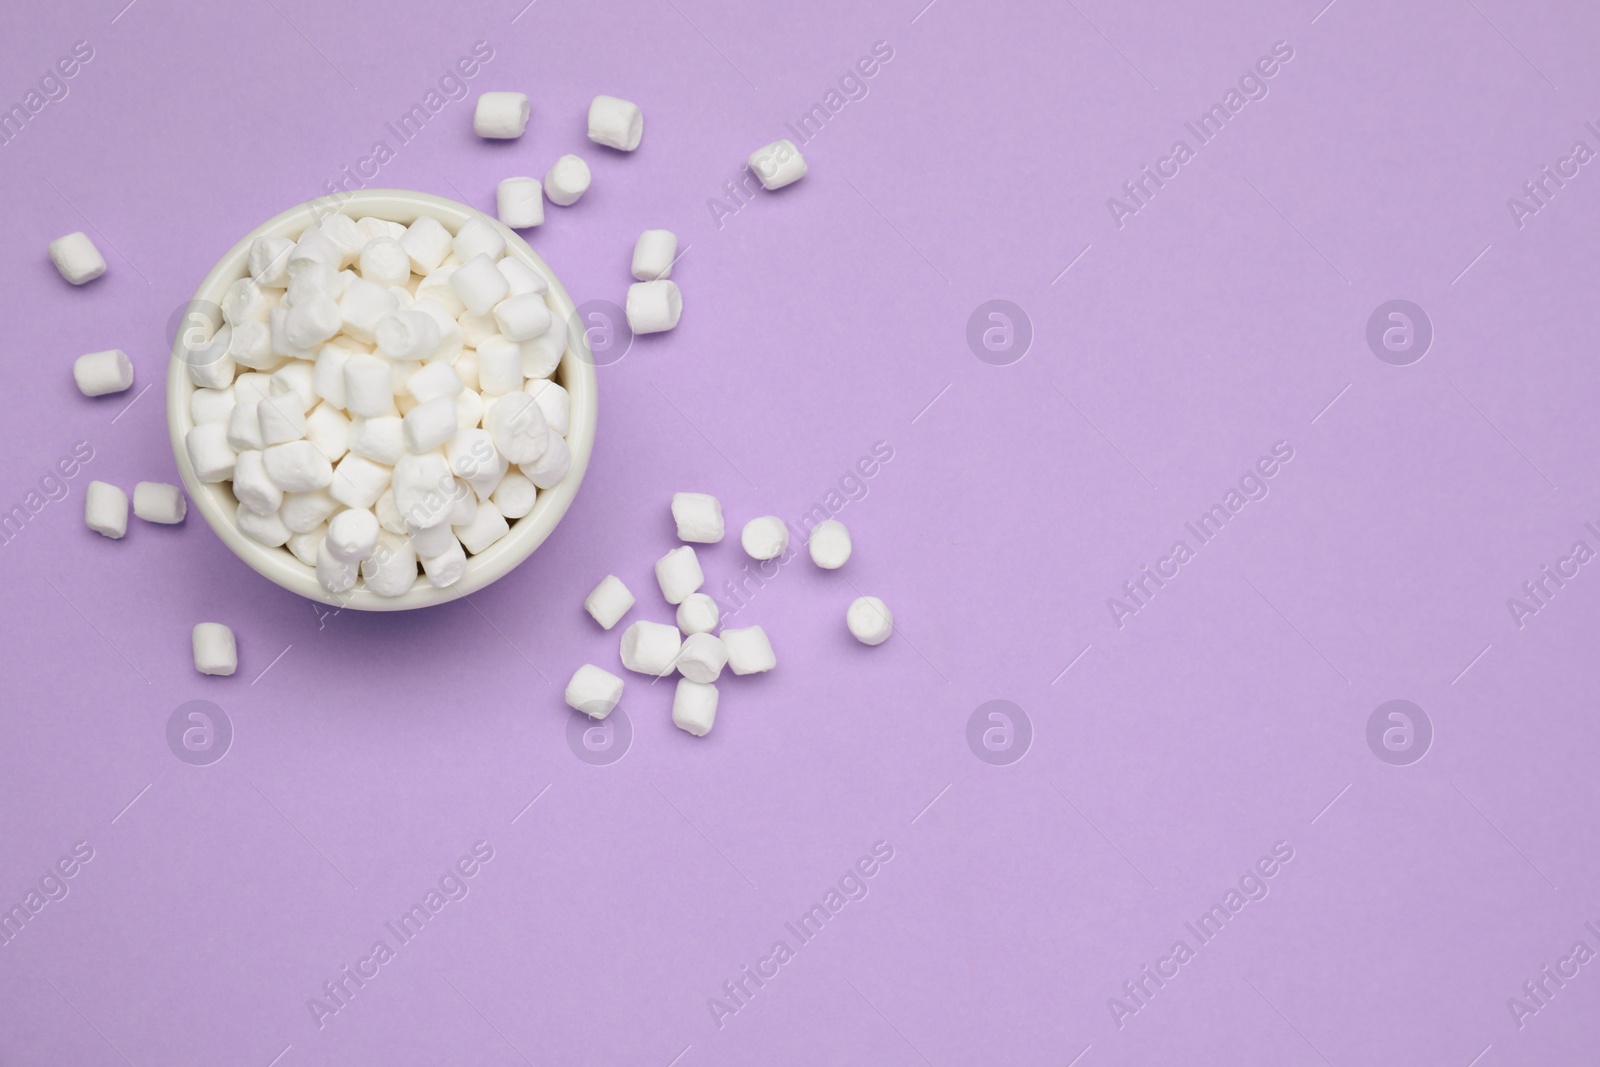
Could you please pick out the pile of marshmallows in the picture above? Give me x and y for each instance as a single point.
(690, 648)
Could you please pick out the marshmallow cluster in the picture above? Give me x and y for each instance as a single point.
(105, 507)
(382, 399)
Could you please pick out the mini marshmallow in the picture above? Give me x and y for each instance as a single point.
(244, 301)
(778, 164)
(252, 487)
(76, 257)
(514, 496)
(432, 381)
(699, 517)
(521, 277)
(269, 261)
(297, 378)
(211, 405)
(368, 386)
(352, 535)
(305, 511)
(702, 658)
(385, 262)
(501, 116)
(615, 123)
(358, 481)
(765, 538)
(334, 574)
(463, 507)
(518, 428)
(479, 284)
(542, 355)
(268, 530)
(380, 439)
(436, 286)
(372, 227)
(678, 573)
(277, 325)
(327, 373)
(210, 366)
(593, 691)
(472, 458)
(447, 567)
(829, 544)
(698, 614)
(105, 510)
(476, 328)
(346, 235)
(430, 424)
(869, 620)
(547, 471)
(522, 318)
(566, 181)
(388, 515)
(553, 401)
(653, 254)
(500, 364)
(363, 306)
(420, 485)
(209, 452)
(426, 242)
(654, 307)
(749, 651)
(244, 426)
(408, 335)
(99, 373)
(694, 707)
(251, 346)
(314, 280)
(485, 528)
(304, 546)
(650, 648)
(314, 249)
(329, 429)
(159, 502)
(450, 335)
(215, 651)
(312, 322)
(608, 602)
(392, 568)
(252, 387)
(297, 466)
(282, 418)
(431, 540)
(478, 236)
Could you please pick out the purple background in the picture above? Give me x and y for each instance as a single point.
(1229, 714)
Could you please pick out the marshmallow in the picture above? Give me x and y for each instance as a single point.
(478, 236)
(105, 510)
(278, 344)
(547, 471)
(778, 164)
(282, 418)
(314, 280)
(334, 574)
(243, 301)
(749, 651)
(408, 335)
(485, 527)
(211, 405)
(297, 466)
(420, 485)
(328, 429)
(429, 424)
(699, 517)
(159, 502)
(209, 452)
(479, 284)
(327, 373)
(269, 261)
(869, 620)
(251, 387)
(447, 567)
(702, 658)
(430, 540)
(358, 481)
(500, 364)
(501, 116)
(363, 306)
(472, 458)
(210, 366)
(99, 373)
(244, 426)
(554, 402)
(352, 535)
(650, 648)
(463, 504)
(829, 544)
(436, 287)
(375, 227)
(426, 242)
(653, 254)
(384, 262)
(654, 306)
(522, 318)
(567, 181)
(76, 257)
(380, 439)
(368, 386)
(388, 515)
(608, 602)
(698, 614)
(476, 328)
(678, 573)
(311, 322)
(392, 568)
(251, 346)
(215, 651)
(518, 428)
(346, 235)
(298, 378)
(521, 277)
(432, 381)
(765, 538)
(542, 355)
(302, 512)
(593, 691)
(314, 249)
(615, 123)
(304, 546)
(268, 530)
(252, 487)
(514, 496)
(694, 707)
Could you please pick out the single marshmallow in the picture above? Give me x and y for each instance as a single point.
(501, 116)
(392, 568)
(593, 691)
(699, 517)
(479, 284)
(345, 233)
(518, 428)
(211, 405)
(829, 544)
(486, 527)
(159, 502)
(244, 301)
(327, 373)
(869, 620)
(105, 510)
(76, 257)
(473, 459)
(329, 429)
(314, 249)
(521, 277)
(476, 328)
(702, 658)
(420, 485)
(431, 541)
(388, 515)
(252, 387)
(269, 261)
(514, 495)
(408, 335)
(210, 366)
(654, 306)
(311, 322)
(749, 651)
(334, 574)
(698, 614)
(302, 512)
(608, 602)
(384, 262)
(298, 378)
(430, 424)
(434, 380)
(653, 254)
(352, 535)
(375, 227)
(478, 236)
(651, 648)
(436, 286)
(778, 164)
(312, 281)
(447, 567)
(304, 546)
(297, 466)
(282, 418)
(500, 364)
(426, 242)
(380, 439)
(678, 573)
(209, 452)
(542, 355)
(694, 707)
(99, 373)
(268, 530)
(358, 481)
(566, 180)
(368, 385)
(765, 538)
(215, 651)
(252, 488)
(553, 401)
(244, 426)
(548, 470)
(522, 318)
(363, 306)
(251, 346)
(615, 123)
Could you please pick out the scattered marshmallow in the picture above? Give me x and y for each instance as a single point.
(654, 307)
(519, 202)
(479, 284)
(615, 123)
(699, 517)
(608, 602)
(778, 164)
(593, 691)
(765, 538)
(829, 544)
(215, 651)
(702, 657)
(698, 614)
(653, 254)
(694, 707)
(99, 373)
(105, 510)
(749, 651)
(79, 261)
(501, 116)
(566, 180)
(679, 574)
(650, 648)
(869, 620)
(159, 502)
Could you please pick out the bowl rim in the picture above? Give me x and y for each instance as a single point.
(216, 503)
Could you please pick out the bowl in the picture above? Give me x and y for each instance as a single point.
(216, 502)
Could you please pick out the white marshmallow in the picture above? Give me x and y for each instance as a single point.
(522, 318)
(698, 614)
(593, 691)
(304, 546)
(297, 378)
(450, 335)
(314, 249)
(699, 517)
(426, 242)
(380, 439)
(244, 426)
(358, 481)
(252, 387)
(211, 405)
(421, 484)
(472, 458)
(311, 322)
(346, 235)
(694, 707)
(431, 540)
(76, 257)
(388, 515)
(553, 401)
(678, 573)
(269, 261)
(615, 123)
(434, 380)
(436, 286)
(352, 535)
(869, 620)
(210, 366)
(463, 508)
(277, 326)
(209, 452)
(514, 495)
(749, 651)
(829, 544)
(252, 487)
(251, 346)
(485, 527)
(765, 538)
(159, 502)
(327, 373)
(702, 658)
(479, 284)
(392, 568)
(244, 302)
(368, 386)
(215, 651)
(372, 227)
(268, 530)
(608, 602)
(542, 355)
(306, 511)
(521, 277)
(297, 466)
(518, 428)
(99, 373)
(500, 365)
(408, 335)
(566, 180)
(478, 237)
(313, 280)
(105, 509)
(429, 424)
(501, 116)
(282, 417)
(334, 574)
(363, 306)
(547, 471)
(329, 429)
(653, 254)
(654, 307)
(384, 262)
(447, 567)
(650, 648)
(778, 164)
(476, 328)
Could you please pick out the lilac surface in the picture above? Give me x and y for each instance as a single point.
(1227, 715)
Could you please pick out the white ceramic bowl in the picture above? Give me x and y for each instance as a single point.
(216, 501)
